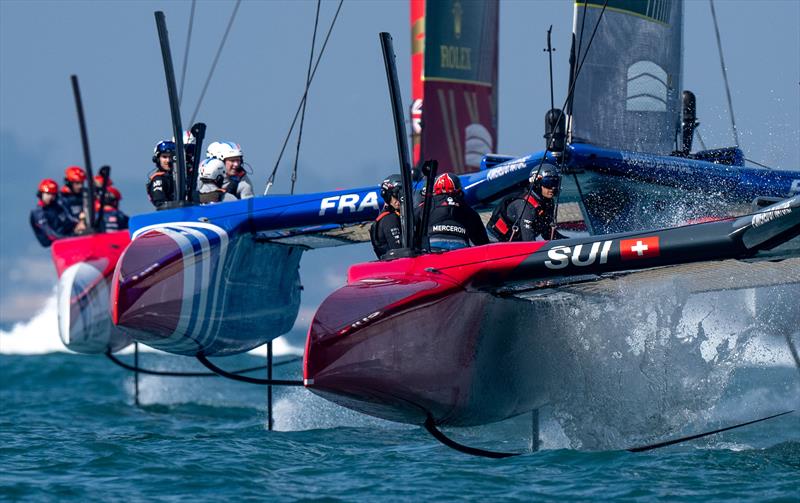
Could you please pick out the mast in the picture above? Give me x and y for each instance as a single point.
(174, 106)
(88, 199)
(407, 220)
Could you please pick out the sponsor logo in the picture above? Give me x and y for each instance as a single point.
(778, 211)
(351, 202)
(360, 323)
(506, 169)
(638, 248)
(561, 256)
(449, 228)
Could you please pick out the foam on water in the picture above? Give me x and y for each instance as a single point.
(39, 335)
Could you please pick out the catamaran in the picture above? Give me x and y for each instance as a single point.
(467, 337)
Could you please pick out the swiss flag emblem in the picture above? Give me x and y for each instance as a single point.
(637, 248)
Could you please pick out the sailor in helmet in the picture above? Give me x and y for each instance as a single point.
(237, 183)
(50, 220)
(529, 216)
(72, 192)
(113, 218)
(385, 232)
(212, 178)
(161, 185)
(452, 223)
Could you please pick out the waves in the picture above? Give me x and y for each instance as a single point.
(39, 335)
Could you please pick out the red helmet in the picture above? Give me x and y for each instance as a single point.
(113, 196)
(447, 184)
(48, 186)
(74, 174)
(98, 180)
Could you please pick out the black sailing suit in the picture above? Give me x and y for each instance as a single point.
(453, 224)
(386, 231)
(161, 188)
(51, 222)
(537, 217)
(72, 202)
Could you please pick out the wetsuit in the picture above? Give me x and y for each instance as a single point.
(537, 217)
(51, 222)
(239, 186)
(161, 188)
(113, 219)
(72, 202)
(453, 224)
(385, 233)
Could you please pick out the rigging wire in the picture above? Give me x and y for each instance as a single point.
(757, 163)
(724, 74)
(271, 178)
(700, 138)
(305, 95)
(186, 52)
(216, 60)
(561, 113)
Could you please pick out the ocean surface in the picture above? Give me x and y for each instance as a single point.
(70, 431)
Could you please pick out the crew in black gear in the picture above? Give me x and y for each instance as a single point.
(161, 185)
(452, 224)
(71, 197)
(113, 218)
(530, 215)
(50, 220)
(386, 231)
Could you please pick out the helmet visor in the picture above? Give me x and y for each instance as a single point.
(551, 181)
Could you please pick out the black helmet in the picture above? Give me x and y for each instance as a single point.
(545, 176)
(391, 186)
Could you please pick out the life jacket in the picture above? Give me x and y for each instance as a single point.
(500, 225)
(446, 221)
(215, 196)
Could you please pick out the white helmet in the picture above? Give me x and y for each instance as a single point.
(188, 138)
(214, 150)
(229, 149)
(212, 171)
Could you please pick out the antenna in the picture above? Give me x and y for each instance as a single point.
(549, 52)
(174, 106)
(407, 222)
(88, 202)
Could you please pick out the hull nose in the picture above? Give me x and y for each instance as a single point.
(148, 288)
(84, 324)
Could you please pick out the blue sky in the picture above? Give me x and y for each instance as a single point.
(348, 138)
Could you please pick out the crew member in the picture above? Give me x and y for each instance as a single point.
(452, 224)
(237, 183)
(529, 216)
(386, 231)
(113, 218)
(50, 220)
(212, 179)
(98, 182)
(72, 192)
(161, 185)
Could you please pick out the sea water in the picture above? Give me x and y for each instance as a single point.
(70, 430)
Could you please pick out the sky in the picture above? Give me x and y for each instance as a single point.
(348, 138)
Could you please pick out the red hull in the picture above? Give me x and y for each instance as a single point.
(85, 265)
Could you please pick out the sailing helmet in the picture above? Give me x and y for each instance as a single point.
(113, 196)
(74, 174)
(547, 176)
(212, 171)
(391, 186)
(214, 150)
(189, 142)
(48, 186)
(447, 183)
(163, 147)
(98, 180)
(228, 149)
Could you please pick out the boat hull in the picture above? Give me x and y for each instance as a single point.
(193, 289)
(438, 359)
(85, 265)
